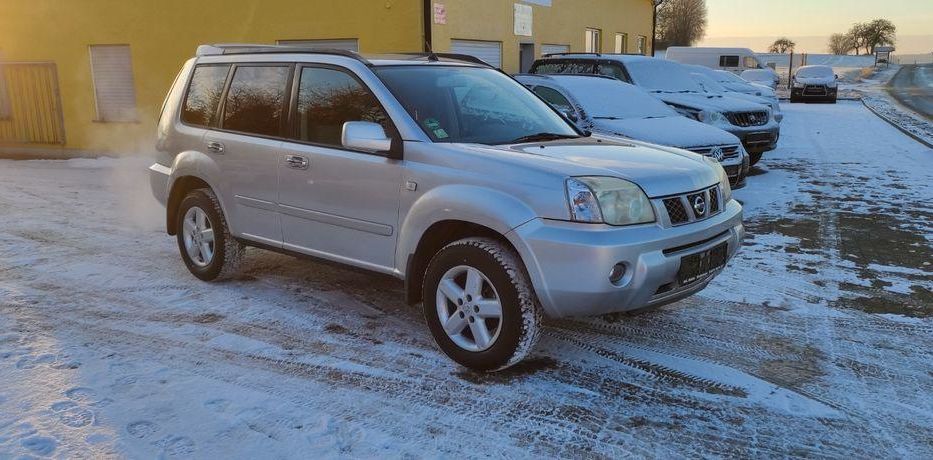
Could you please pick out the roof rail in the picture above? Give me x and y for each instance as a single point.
(592, 54)
(248, 48)
(452, 56)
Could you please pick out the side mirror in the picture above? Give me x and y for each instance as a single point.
(365, 136)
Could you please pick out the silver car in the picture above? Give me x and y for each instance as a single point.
(608, 106)
(442, 172)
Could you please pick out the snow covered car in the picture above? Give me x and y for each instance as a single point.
(443, 172)
(608, 106)
(733, 85)
(713, 87)
(814, 82)
(672, 83)
(764, 77)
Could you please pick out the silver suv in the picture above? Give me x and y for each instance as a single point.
(443, 172)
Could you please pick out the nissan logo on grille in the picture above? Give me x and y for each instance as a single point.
(699, 205)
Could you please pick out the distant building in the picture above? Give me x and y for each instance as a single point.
(90, 75)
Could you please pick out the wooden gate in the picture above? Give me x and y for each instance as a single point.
(30, 104)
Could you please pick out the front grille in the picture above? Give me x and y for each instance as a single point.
(676, 211)
(728, 152)
(692, 207)
(814, 90)
(746, 119)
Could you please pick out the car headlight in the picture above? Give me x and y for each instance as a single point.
(798, 84)
(716, 119)
(689, 113)
(723, 179)
(608, 200)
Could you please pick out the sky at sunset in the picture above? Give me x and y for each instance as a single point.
(810, 22)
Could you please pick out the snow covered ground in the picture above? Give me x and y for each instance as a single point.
(817, 340)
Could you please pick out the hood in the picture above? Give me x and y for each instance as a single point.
(659, 172)
(709, 102)
(680, 132)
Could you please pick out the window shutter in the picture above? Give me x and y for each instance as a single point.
(114, 90)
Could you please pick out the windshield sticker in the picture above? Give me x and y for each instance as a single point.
(440, 133)
(432, 124)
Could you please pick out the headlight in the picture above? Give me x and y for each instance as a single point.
(723, 179)
(608, 200)
(689, 113)
(716, 119)
(798, 84)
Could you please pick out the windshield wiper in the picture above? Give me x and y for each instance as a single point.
(542, 137)
(607, 118)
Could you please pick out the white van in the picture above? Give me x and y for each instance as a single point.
(735, 60)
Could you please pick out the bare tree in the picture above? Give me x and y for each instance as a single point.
(840, 44)
(782, 45)
(879, 32)
(857, 36)
(681, 22)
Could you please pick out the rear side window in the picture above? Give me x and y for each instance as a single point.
(614, 71)
(328, 98)
(565, 67)
(728, 61)
(256, 99)
(207, 86)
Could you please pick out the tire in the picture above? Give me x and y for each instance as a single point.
(794, 100)
(222, 258)
(501, 276)
(754, 158)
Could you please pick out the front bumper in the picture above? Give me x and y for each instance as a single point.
(757, 139)
(814, 92)
(159, 176)
(569, 263)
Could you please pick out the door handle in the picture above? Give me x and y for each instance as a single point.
(215, 147)
(297, 162)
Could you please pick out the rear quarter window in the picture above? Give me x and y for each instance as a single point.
(204, 94)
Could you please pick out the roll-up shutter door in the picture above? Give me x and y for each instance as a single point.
(488, 52)
(350, 44)
(115, 92)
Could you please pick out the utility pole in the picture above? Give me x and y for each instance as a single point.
(654, 25)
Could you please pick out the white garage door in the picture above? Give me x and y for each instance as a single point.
(350, 44)
(488, 52)
(554, 49)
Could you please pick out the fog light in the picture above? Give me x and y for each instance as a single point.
(617, 273)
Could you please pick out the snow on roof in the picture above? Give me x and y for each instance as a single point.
(606, 97)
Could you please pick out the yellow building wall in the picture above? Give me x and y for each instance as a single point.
(562, 23)
(162, 34)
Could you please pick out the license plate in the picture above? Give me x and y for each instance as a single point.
(697, 266)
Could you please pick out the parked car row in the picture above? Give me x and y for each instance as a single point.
(495, 203)
(752, 119)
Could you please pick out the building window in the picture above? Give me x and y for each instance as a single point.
(642, 45)
(593, 42)
(114, 89)
(256, 100)
(621, 43)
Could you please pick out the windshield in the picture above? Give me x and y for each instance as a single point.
(815, 72)
(602, 98)
(457, 104)
(708, 84)
(662, 76)
(726, 77)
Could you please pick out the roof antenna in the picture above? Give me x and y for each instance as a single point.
(431, 56)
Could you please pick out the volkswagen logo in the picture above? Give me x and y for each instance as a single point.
(717, 154)
(699, 205)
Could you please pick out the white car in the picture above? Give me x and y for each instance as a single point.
(764, 77)
(815, 82)
(607, 106)
(714, 87)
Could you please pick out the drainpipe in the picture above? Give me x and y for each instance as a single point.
(654, 24)
(428, 19)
